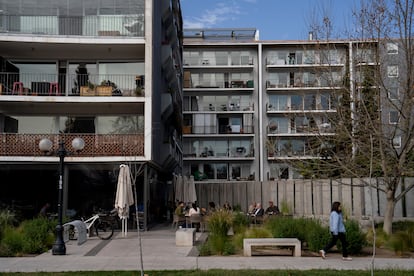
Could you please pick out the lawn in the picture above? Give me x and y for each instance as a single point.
(220, 272)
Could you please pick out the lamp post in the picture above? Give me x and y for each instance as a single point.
(45, 145)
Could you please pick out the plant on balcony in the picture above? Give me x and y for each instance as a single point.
(271, 147)
(139, 92)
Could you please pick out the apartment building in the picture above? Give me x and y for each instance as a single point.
(252, 109)
(108, 72)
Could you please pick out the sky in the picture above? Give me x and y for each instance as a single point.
(275, 19)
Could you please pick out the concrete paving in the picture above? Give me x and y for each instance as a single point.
(161, 253)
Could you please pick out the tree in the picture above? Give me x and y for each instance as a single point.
(374, 122)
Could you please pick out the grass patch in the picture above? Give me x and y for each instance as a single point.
(221, 272)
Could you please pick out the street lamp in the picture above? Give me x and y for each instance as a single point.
(45, 145)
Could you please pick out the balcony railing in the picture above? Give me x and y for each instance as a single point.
(215, 106)
(71, 84)
(88, 25)
(12, 144)
(246, 129)
(235, 152)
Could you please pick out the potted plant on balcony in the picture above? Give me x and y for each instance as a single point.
(105, 88)
(271, 147)
(88, 90)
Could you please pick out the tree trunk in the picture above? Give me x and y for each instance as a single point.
(389, 212)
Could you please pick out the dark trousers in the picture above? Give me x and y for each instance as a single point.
(334, 239)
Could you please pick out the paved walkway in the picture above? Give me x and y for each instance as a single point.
(161, 253)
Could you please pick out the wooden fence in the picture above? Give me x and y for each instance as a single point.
(307, 197)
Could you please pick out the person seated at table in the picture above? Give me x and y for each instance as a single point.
(272, 209)
(252, 208)
(211, 207)
(257, 216)
(227, 206)
(179, 211)
(194, 210)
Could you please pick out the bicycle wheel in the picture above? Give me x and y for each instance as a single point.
(104, 230)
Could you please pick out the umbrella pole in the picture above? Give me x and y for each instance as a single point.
(139, 231)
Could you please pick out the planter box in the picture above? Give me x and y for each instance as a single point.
(186, 129)
(86, 91)
(104, 90)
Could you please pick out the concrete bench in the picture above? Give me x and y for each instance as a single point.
(79, 227)
(285, 242)
(185, 237)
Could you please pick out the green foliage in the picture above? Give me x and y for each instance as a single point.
(403, 240)
(7, 218)
(12, 242)
(38, 235)
(284, 227)
(240, 222)
(381, 238)
(317, 236)
(219, 222)
(355, 237)
(285, 207)
(237, 208)
(217, 245)
(251, 233)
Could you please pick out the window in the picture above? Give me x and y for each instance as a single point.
(393, 117)
(396, 142)
(392, 71)
(393, 93)
(392, 48)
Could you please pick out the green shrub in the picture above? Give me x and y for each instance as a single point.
(354, 236)
(317, 237)
(12, 242)
(38, 235)
(240, 222)
(403, 240)
(284, 227)
(219, 245)
(381, 238)
(7, 218)
(251, 233)
(219, 222)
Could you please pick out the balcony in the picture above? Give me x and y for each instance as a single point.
(222, 129)
(230, 153)
(70, 84)
(13, 144)
(90, 25)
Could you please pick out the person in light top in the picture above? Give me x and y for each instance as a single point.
(337, 228)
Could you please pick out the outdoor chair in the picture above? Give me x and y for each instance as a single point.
(196, 219)
(178, 220)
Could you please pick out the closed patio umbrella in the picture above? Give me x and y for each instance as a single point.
(189, 190)
(179, 188)
(124, 196)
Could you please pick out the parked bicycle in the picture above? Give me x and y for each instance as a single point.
(102, 224)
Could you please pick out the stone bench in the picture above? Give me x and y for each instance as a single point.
(285, 242)
(185, 236)
(79, 228)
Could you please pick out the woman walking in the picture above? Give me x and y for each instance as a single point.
(337, 228)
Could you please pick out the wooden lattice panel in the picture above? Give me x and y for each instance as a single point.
(95, 145)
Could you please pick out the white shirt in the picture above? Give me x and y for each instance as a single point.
(193, 211)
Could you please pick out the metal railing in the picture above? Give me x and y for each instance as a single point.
(88, 25)
(223, 129)
(15, 144)
(70, 84)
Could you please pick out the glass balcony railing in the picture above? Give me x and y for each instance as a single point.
(15, 144)
(88, 25)
(222, 129)
(71, 84)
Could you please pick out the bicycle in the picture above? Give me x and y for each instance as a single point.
(103, 226)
